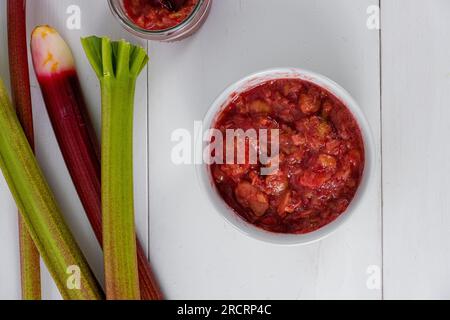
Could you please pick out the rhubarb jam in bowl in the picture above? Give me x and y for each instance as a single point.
(287, 157)
(161, 20)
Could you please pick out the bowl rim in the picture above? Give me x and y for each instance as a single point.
(204, 175)
(169, 34)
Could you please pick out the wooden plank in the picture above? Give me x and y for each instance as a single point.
(9, 248)
(95, 19)
(416, 113)
(196, 254)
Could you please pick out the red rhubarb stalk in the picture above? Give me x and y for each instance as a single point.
(55, 70)
(21, 96)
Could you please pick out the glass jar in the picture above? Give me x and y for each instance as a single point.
(182, 30)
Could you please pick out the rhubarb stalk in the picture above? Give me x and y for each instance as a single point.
(21, 96)
(39, 210)
(56, 73)
(117, 65)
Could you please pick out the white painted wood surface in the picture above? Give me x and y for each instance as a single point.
(195, 253)
(416, 128)
(9, 265)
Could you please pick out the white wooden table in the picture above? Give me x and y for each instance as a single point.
(398, 243)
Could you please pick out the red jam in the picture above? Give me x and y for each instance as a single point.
(321, 157)
(152, 15)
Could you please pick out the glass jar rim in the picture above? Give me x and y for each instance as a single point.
(123, 18)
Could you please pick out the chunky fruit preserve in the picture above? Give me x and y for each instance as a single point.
(320, 159)
(157, 15)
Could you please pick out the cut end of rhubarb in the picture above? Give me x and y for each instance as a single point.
(51, 54)
(101, 52)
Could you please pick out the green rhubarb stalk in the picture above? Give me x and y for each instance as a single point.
(39, 210)
(30, 269)
(117, 65)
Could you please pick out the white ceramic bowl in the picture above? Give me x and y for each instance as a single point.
(207, 183)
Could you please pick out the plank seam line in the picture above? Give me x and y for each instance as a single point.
(381, 149)
(148, 156)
